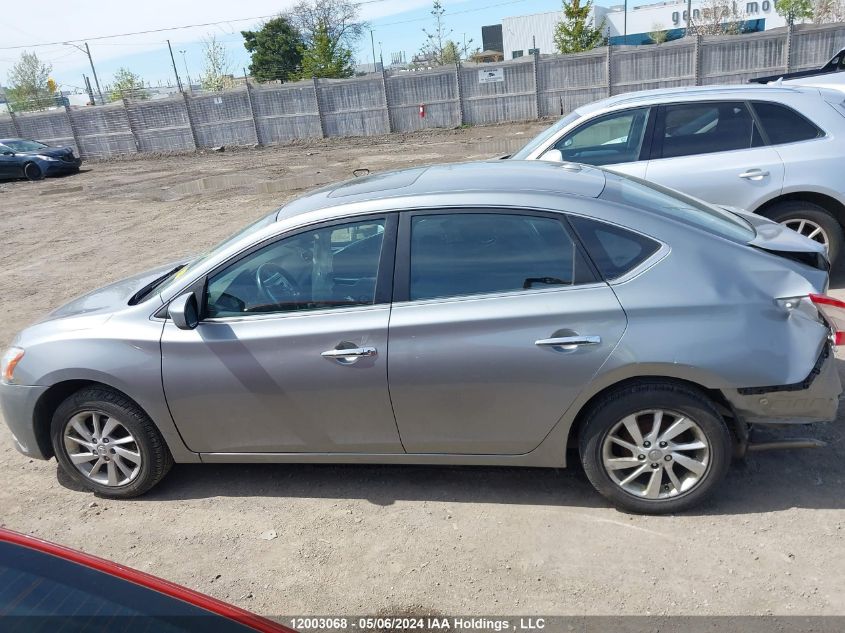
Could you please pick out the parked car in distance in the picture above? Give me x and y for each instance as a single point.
(822, 76)
(770, 150)
(49, 587)
(522, 307)
(22, 158)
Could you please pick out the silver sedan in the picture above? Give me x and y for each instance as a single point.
(491, 313)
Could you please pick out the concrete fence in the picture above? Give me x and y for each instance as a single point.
(473, 94)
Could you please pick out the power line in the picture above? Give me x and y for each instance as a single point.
(162, 30)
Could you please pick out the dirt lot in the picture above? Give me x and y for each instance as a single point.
(359, 539)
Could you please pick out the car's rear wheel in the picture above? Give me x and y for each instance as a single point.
(104, 442)
(812, 221)
(33, 171)
(655, 447)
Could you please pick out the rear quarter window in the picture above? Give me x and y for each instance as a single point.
(615, 251)
(783, 124)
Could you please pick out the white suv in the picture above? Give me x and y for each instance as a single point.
(773, 150)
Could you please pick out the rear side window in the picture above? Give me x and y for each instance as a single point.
(614, 250)
(703, 128)
(783, 124)
(475, 253)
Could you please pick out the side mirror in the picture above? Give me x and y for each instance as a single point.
(8, 153)
(184, 312)
(553, 155)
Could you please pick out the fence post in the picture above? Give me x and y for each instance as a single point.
(790, 27)
(132, 129)
(319, 108)
(390, 127)
(252, 112)
(190, 120)
(461, 116)
(73, 131)
(608, 68)
(696, 62)
(536, 64)
(15, 123)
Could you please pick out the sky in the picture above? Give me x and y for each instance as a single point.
(396, 24)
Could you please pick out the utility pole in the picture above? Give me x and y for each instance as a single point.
(187, 72)
(87, 51)
(625, 24)
(689, 17)
(175, 72)
(88, 88)
(373, 43)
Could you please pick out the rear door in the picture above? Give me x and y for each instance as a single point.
(498, 323)
(713, 150)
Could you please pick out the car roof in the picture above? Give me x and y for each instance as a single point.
(450, 182)
(683, 93)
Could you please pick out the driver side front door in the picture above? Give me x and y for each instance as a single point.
(617, 140)
(265, 369)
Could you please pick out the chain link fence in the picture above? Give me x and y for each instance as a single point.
(445, 97)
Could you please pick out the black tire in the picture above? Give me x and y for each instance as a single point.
(686, 401)
(156, 459)
(801, 210)
(32, 172)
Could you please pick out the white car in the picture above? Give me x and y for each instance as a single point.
(773, 150)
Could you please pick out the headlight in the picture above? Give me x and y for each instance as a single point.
(47, 158)
(10, 360)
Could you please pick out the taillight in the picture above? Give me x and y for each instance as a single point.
(833, 310)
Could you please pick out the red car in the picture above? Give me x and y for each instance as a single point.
(48, 587)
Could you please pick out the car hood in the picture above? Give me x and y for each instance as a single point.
(54, 152)
(108, 299)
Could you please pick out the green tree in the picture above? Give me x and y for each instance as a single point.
(336, 20)
(275, 49)
(126, 84)
(451, 53)
(576, 32)
(325, 57)
(794, 10)
(217, 71)
(29, 84)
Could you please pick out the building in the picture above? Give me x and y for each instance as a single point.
(491, 38)
(521, 34)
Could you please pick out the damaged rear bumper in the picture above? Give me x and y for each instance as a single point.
(814, 399)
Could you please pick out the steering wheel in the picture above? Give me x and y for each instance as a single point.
(276, 284)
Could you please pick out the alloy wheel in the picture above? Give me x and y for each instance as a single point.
(102, 448)
(656, 454)
(808, 228)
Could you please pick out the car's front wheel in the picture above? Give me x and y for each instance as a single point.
(33, 171)
(655, 447)
(105, 442)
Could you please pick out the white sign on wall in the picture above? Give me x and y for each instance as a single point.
(491, 76)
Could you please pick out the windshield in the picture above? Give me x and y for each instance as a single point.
(649, 196)
(24, 146)
(546, 134)
(171, 278)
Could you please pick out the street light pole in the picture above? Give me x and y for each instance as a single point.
(373, 43)
(87, 51)
(187, 72)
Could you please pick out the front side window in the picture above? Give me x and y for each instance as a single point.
(330, 267)
(702, 128)
(473, 253)
(783, 124)
(25, 146)
(609, 139)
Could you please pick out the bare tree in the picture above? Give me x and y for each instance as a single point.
(828, 11)
(217, 72)
(658, 34)
(337, 19)
(716, 17)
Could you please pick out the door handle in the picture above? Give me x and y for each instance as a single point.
(570, 342)
(349, 355)
(754, 174)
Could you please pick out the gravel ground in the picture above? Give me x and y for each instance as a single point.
(294, 539)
